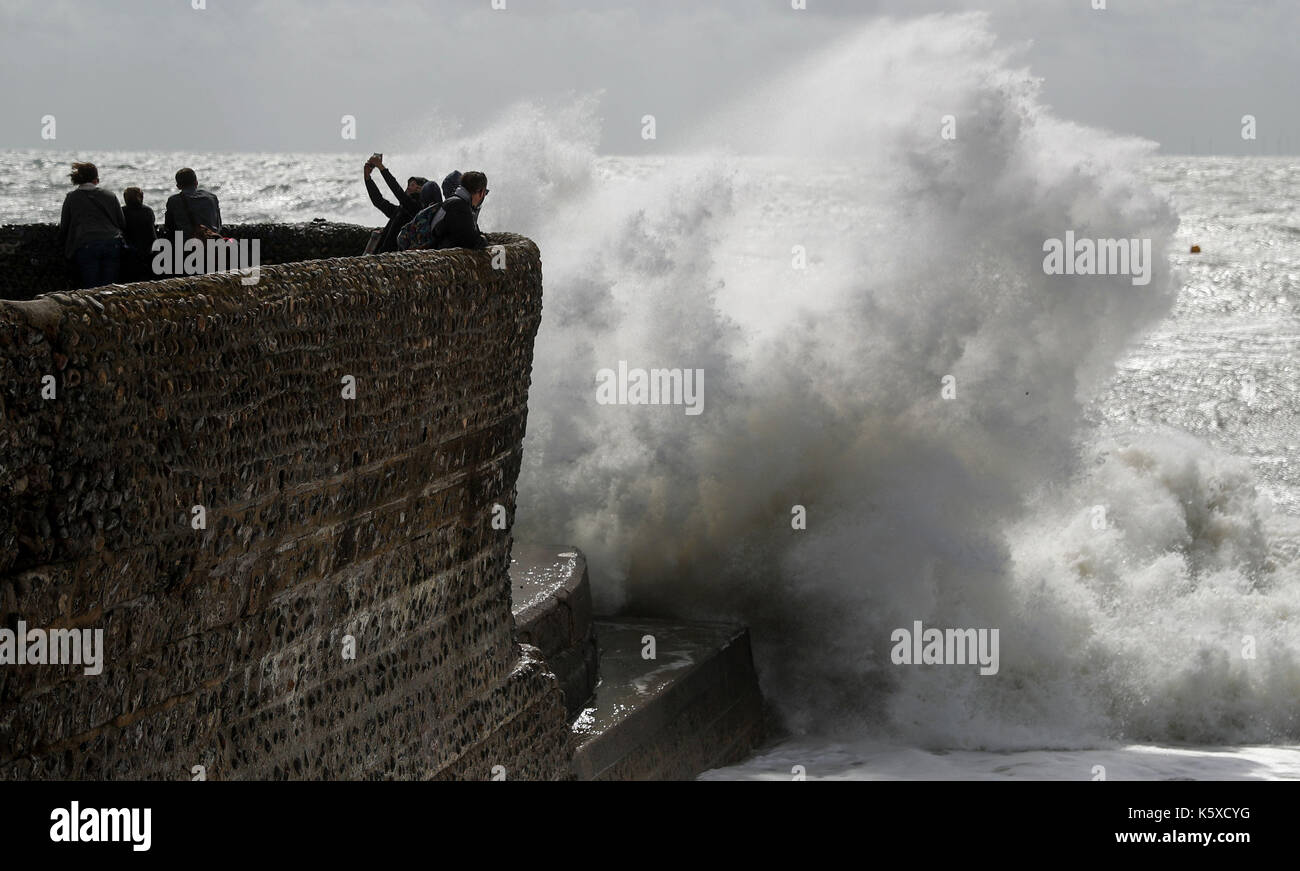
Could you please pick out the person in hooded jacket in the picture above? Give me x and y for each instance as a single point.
(450, 183)
(459, 225)
(409, 202)
(453, 223)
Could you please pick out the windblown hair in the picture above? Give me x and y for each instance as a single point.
(83, 173)
(473, 181)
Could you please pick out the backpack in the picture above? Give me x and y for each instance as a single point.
(419, 232)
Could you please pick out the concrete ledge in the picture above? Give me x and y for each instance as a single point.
(696, 706)
(551, 597)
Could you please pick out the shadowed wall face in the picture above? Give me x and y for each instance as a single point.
(277, 502)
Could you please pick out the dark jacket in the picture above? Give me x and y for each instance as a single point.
(457, 227)
(140, 234)
(203, 205)
(90, 214)
(140, 231)
(398, 215)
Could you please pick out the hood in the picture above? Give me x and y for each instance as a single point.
(451, 182)
(430, 194)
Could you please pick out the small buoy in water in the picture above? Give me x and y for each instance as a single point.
(1196, 249)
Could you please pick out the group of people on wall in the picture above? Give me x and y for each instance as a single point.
(106, 242)
(427, 214)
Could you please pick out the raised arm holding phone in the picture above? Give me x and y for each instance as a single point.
(399, 213)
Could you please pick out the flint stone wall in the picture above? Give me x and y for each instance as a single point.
(326, 517)
(31, 262)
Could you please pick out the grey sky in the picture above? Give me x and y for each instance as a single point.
(277, 75)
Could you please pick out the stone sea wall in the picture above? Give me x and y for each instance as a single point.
(31, 262)
(277, 504)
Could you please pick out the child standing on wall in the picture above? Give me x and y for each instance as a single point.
(140, 233)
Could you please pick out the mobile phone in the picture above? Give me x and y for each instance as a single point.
(377, 156)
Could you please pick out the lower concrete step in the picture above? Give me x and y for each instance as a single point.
(695, 706)
(551, 600)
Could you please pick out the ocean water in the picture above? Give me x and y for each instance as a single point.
(1115, 486)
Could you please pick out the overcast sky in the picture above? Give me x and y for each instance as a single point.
(277, 75)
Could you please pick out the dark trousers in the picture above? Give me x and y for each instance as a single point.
(98, 262)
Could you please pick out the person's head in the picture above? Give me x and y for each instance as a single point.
(429, 194)
(133, 196)
(475, 183)
(84, 173)
(413, 185)
(451, 182)
(185, 178)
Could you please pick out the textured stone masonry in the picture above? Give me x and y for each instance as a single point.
(326, 517)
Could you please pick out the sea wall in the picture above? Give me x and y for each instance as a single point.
(31, 262)
(287, 507)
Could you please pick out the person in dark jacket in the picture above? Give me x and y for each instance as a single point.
(140, 234)
(457, 226)
(409, 202)
(196, 213)
(90, 228)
